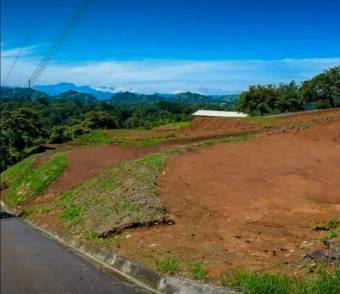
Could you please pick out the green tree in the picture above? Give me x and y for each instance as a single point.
(289, 97)
(258, 100)
(59, 134)
(100, 120)
(19, 129)
(323, 90)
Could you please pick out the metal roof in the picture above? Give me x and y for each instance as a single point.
(215, 113)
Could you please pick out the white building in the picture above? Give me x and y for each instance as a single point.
(215, 113)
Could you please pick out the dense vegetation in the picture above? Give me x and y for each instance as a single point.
(29, 117)
(322, 91)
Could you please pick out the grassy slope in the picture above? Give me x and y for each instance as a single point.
(267, 283)
(125, 138)
(125, 194)
(94, 137)
(132, 137)
(28, 180)
(121, 196)
(115, 198)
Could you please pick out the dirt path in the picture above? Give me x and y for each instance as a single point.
(251, 204)
(84, 162)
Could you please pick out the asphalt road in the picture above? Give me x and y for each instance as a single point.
(32, 263)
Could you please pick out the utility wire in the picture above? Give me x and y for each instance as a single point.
(59, 41)
(1, 19)
(16, 59)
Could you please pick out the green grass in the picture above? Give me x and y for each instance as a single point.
(115, 198)
(225, 139)
(143, 138)
(90, 235)
(71, 212)
(333, 224)
(168, 265)
(263, 121)
(149, 142)
(147, 138)
(260, 283)
(213, 141)
(29, 180)
(94, 137)
(329, 236)
(17, 171)
(268, 283)
(175, 125)
(132, 138)
(332, 230)
(197, 271)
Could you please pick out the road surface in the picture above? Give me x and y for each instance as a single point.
(32, 263)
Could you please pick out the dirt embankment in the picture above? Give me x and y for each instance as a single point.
(250, 204)
(229, 126)
(86, 161)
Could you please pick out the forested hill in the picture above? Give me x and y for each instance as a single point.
(30, 117)
(120, 97)
(21, 93)
(185, 97)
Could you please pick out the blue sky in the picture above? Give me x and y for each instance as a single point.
(212, 46)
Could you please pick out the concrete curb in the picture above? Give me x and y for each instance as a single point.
(173, 285)
(125, 268)
(7, 209)
(129, 270)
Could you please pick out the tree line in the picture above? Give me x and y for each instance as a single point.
(322, 91)
(30, 118)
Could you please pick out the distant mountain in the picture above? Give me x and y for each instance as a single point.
(228, 100)
(57, 89)
(189, 97)
(185, 97)
(73, 92)
(133, 98)
(76, 96)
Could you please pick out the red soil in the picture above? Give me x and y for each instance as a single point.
(213, 125)
(250, 204)
(84, 162)
(229, 126)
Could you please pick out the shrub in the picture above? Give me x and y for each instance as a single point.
(167, 265)
(197, 270)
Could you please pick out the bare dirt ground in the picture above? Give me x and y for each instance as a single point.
(86, 161)
(202, 126)
(248, 205)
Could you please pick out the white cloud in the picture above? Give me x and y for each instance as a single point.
(12, 53)
(148, 76)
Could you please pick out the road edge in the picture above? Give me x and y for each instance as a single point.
(130, 270)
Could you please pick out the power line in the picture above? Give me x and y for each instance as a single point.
(1, 18)
(59, 41)
(16, 59)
